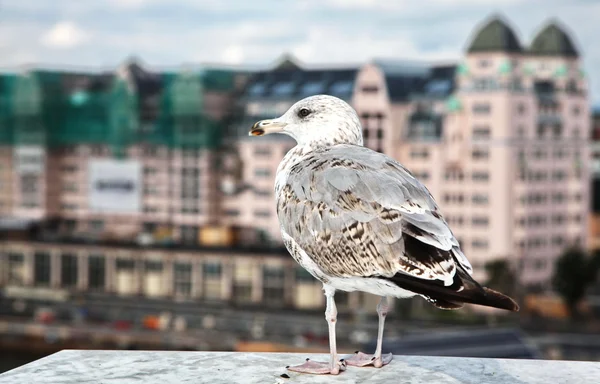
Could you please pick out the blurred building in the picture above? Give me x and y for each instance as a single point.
(156, 158)
(114, 155)
(594, 222)
(246, 277)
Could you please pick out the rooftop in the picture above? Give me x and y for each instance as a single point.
(552, 40)
(495, 36)
(88, 366)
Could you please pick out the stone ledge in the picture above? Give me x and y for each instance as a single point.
(150, 367)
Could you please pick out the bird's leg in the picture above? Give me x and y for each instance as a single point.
(362, 359)
(334, 366)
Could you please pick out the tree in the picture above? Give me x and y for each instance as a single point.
(501, 277)
(574, 271)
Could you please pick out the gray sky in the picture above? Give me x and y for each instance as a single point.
(169, 33)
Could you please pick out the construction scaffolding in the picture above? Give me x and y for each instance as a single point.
(56, 109)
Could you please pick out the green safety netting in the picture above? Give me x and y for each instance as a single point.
(36, 109)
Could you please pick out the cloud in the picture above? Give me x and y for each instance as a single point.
(127, 3)
(64, 35)
(165, 33)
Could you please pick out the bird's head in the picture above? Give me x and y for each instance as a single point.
(320, 120)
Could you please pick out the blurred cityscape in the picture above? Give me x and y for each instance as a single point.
(136, 213)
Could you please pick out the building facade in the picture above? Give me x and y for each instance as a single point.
(499, 138)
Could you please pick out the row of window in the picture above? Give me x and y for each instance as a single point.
(273, 278)
(539, 153)
(259, 213)
(483, 108)
(556, 129)
(541, 242)
(556, 175)
(541, 220)
(476, 221)
(534, 198)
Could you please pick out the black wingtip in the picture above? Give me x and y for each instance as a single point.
(499, 300)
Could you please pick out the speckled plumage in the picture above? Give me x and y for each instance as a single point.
(350, 208)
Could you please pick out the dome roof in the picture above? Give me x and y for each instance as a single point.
(552, 40)
(495, 36)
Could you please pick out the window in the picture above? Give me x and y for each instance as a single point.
(16, 268)
(480, 221)
(212, 280)
(423, 175)
(153, 266)
(262, 151)
(481, 133)
(263, 192)
(150, 209)
(539, 154)
(262, 213)
(273, 285)
(369, 89)
(303, 276)
(481, 108)
(480, 199)
(149, 171)
(96, 225)
(212, 270)
(283, 88)
(480, 154)
(557, 129)
(480, 176)
(421, 153)
(521, 109)
(70, 187)
(262, 172)
(479, 244)
(232, 212)
(41, 268)
(182, 279)
(125, 265)
(150, 190)
(29, 184)
(96, 272)
(68, 268)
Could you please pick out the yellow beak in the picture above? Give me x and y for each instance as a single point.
(265, 127)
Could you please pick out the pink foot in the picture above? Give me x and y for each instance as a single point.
(319, 368)
(362, 360)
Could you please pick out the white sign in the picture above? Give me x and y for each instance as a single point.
(29, 159)
(115, 186)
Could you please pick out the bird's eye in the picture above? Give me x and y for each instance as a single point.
(304, 112)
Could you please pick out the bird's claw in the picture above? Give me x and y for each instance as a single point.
(318, 368)
(360, 359)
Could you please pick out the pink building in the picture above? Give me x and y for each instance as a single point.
(499, 139)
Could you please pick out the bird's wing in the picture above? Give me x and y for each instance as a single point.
(357, 212)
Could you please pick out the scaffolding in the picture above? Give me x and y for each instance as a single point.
(44, 108)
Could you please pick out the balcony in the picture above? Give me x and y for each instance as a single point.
(161, 367)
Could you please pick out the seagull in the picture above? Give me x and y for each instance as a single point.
(358, 220)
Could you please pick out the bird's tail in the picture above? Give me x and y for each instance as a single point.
(463, 290)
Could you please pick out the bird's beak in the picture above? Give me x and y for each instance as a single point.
(264, 127)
